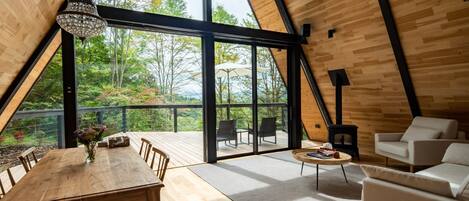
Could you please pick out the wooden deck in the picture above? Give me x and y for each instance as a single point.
(186, 148)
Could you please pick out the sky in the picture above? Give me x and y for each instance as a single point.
(239, 8)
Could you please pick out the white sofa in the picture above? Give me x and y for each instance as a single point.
(447, 181)
(423, 144)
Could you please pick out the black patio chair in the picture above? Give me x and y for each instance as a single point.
(268, 128)
(227, 132)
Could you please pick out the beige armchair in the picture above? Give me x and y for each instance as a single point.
(423, 143)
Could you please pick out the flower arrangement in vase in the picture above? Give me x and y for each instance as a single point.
(89, 137)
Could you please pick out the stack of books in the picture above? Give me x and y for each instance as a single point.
(324, 154)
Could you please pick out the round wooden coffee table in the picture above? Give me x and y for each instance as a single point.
(301, 155)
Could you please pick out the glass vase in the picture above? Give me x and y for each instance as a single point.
(90, 152)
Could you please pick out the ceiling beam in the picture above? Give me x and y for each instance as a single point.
(118, 17)
(400, 57)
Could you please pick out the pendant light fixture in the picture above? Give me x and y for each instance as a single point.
(81, 19)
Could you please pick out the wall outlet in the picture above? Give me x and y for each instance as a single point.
(317, 125)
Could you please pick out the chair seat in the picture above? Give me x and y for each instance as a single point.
(453, 173)
(396, 148)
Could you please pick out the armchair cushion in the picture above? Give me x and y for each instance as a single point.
(396, 148)
(463, 193)
(457, 153)
(420, 133)
(454, 174)
(448, 127)
(428, 184)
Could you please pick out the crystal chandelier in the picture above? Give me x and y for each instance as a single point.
(81, 19)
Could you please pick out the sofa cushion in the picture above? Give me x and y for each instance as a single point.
(448, 127)
(453, 173)
(420, 133)
(424, 183)
(396, 148)
(457, 153)
(463, 193)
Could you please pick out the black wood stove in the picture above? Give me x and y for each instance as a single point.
(342, 137)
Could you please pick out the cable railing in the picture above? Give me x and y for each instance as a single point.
(167, 117)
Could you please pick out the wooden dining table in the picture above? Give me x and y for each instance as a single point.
(62, 174)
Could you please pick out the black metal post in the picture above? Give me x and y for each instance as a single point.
(209, 102)
(100, 117)
(69, 89)
(207, 7)
(175, 120)
(294, 97)
(254, 99)
(124, 119)
(60, 131)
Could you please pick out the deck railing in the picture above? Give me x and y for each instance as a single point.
(121, 113)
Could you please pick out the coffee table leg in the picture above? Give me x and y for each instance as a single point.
(302, 164)
(343, 171)
(317, 176)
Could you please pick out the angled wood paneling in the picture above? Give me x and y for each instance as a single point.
(375, 101)
(23, 24)
(269, 19)
(28, 83)
(435, 38)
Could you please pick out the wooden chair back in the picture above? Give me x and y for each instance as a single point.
(26, 158)
(162, 163)
(2, 186)
(145, 149)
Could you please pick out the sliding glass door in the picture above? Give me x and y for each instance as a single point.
(233, 85)
(272, 112)
(251, 99)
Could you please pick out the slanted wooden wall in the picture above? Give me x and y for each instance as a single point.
(434, 37)
(23, 24)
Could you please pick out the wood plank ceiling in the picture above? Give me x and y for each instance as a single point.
(23, 24)
(432, 33)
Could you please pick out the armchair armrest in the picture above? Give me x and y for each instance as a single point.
(388, 137)
(430, 152)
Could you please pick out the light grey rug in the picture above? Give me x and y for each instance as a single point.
(276, 176)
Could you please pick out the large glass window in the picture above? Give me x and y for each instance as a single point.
(234, 12)
(191, 9)
(38, 122)
(233, 70)
(144, 85)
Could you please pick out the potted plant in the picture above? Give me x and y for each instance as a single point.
(89, 137)
(19, 136)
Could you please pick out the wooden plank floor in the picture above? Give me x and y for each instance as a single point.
(186, 148)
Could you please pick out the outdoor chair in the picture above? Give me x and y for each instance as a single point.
(227, 132)
(26, 158)
(3, 187)
(268, 128)
(162, 163)
(145, 149)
